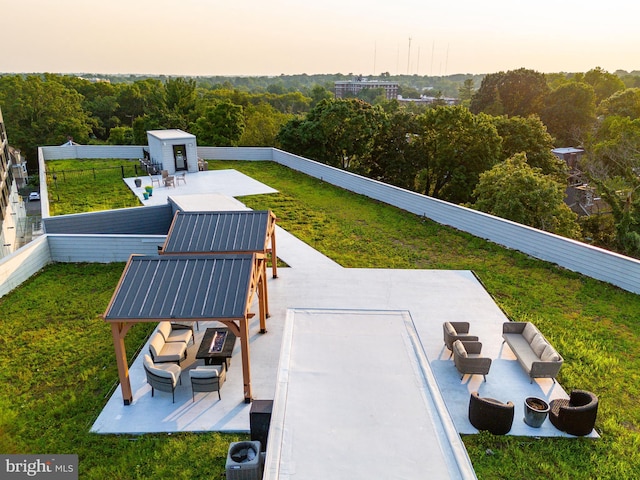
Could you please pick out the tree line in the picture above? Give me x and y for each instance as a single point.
(491, 152)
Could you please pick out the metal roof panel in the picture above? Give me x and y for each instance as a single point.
(183, 287)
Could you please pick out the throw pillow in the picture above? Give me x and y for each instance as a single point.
(550, 355)
(529, 332)
(538, 345)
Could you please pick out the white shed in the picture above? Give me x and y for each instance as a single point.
(175, 150)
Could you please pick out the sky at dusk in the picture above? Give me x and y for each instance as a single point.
(273, 37)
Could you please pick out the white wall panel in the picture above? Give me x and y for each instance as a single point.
(618, 270)
(23, 263)
(102, 248)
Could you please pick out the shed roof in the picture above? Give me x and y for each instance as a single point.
(189, 287)
(170, 134)
(225, 231)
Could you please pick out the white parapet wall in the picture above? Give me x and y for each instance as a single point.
(594, 262)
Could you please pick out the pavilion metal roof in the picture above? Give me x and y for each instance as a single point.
(189, 287)
(222, 231)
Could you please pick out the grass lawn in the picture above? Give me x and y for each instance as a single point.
(58, 365)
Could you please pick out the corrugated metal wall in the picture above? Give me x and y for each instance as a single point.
(618, 270)
(92, 151)
(594, 262)
(151, 220)
(102, 248)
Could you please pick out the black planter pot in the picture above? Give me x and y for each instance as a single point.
(535, 411)
(138, 182)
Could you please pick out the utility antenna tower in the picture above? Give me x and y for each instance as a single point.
(409, 56)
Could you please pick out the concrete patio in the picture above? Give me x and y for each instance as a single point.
(313, 282)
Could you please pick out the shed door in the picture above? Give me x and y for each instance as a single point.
(180, 155)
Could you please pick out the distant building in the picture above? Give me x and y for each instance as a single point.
(13, 175)
(350, 88)
(425, 100)
(580, 196)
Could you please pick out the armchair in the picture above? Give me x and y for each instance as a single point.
(468, 360)
(162, 377)
(207, 378)
(490, 414)
(577, 415)
(453, 331)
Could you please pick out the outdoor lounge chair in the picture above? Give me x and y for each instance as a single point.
(208, 378)
(154, 179)
(468, 359)
(163, 352)
(162, 377)
(490, 414)
(453, 331)
(576, 415)
(181, 177)
(171, 334)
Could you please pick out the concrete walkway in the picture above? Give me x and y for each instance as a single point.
(312, 281)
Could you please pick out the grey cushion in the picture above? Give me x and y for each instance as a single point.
(550, 355)
(450, 329)
(529, 332)
(459, 348)
(538, 345)
(205, 372)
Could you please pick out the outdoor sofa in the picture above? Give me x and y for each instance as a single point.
(535, 354)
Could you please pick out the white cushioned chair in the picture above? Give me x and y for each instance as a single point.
(162, 351)
(208, 378)
(172, 334)
(162, 377)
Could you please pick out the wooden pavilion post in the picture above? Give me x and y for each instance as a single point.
(246, 360)
(119, 331)
(272, 234)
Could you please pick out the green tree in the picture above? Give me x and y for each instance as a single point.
(121, 136)
(516, 92)
(569, 113)
(337, 132)
(262, 124)
(515, 191)
(465, 92)
(604, 83)
(453, 148)
(393, 158)
(529, 135)
(42, 112)
(623, 103)
(220, 126)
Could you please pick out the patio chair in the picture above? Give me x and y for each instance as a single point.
(165, 352)
(181, 177)
(576, 415)
(453, 331)
(171, 334)
(167, 179)
(468, 359)
(490, 414)
(208, 378)
(154, 180)
(162, 377)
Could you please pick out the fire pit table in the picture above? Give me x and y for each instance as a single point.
(216, 347)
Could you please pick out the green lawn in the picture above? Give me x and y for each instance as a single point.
(58, 365)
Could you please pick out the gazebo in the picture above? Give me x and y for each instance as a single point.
(227, 232)
(189, 288)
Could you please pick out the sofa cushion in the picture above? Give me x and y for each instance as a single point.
(459, 349)
(450, 329)
(538, 344)
(155, 344)
(550, 355)
(206, 372)
(529, 332)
